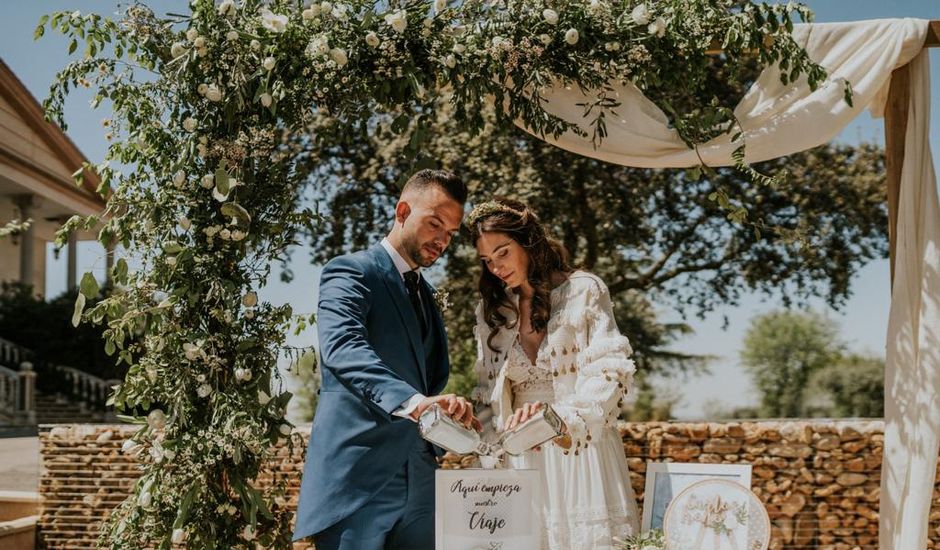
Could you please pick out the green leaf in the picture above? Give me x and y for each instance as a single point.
(237, 212)
(89, 285)
(186, 505)
(40, 30)
(73, 45)
(79, 307)
(222, 180)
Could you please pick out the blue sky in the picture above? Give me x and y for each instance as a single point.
(863, 320)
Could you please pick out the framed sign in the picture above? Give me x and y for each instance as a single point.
(717, 514)
(488, 510)
(665, 480)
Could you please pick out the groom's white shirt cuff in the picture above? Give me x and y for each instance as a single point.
(402, 266)
(409, 406)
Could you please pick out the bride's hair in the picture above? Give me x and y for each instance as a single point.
(546, 257)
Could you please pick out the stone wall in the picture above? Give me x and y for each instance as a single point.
(819, 479)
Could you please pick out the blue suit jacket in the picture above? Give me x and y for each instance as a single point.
(373, 360)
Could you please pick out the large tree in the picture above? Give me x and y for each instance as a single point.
(654, 236)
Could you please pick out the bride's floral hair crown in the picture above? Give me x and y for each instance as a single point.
(489, 208)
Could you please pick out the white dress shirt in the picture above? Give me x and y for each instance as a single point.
(401, 264)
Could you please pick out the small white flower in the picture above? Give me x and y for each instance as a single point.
(285, 429)
(179, 178)
(200, 378)
(266, 99)
(225, 234)
(309, 14)
(612, 46)
(255, 45)
(231, 36)
(372, 39)
(250, 314)
(550, 16)
(640, 14)
(545, 39)
(177, 49)
(273, 22)
(326, 7)
(397, 20)
(191, 351)
(200, 42)
(319, 46)
(204, 390)
(250, 299)
(210, 232)
(572, 36)
(207, 181)
(213, 93)
(338, 55)
(450, 61)
(227, 7)
(596, 8)
(238, 235)
(178, 536)
(156, 419)
(189, 124)
(242, 375)
(269, 63)
(657, 27)
(340, 12)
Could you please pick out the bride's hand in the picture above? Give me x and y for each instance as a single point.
(523, 413)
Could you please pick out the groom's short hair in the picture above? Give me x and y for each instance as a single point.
(445, 179)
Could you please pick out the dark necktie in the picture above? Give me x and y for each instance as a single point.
(412, 284)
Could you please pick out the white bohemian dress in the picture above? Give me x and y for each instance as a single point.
(588, 498)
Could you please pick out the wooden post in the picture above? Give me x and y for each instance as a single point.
(899, 96)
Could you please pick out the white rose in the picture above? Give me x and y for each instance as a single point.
(192, 351)
(213, 93)
(179, 178)
(225, 234)
(308, 14)
(130, 447)
(185, 223)
(459, 48)
(640, 14)
(200, 42)
(250, 314)
(273, 22)
(266, 99)
(450, 61)
(269, 63)
(250, 299)
(372, 39)
(191, 34)
(440, 5)
(231, 36)
(285, 429)
(612, 46)
(189, 124)
(178, 536)
(238, 235)
(545, 39)
(202, 88)
(156, 419)
(177, 49)
(550, 17)
(204, 390)
(398, 20)
(255, 45)
(227, 8)
(207, 181)
(339, 56)
(658, 27)
(572, 36)
(326, 7)
(171, 261)
(243, 375)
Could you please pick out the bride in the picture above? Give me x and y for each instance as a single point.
(546, 335)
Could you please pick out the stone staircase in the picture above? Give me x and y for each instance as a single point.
(57, 409)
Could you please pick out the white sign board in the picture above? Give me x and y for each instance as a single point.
(488, 510)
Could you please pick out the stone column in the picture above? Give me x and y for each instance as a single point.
(27, 245)
(28, 387)
(72, 262)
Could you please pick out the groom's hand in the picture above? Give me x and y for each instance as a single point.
(454, 406)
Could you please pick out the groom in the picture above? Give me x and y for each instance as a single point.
(369, 479)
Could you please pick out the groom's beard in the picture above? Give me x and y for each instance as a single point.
(419, 254)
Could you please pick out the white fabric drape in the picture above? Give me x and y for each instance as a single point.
(778, 120)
